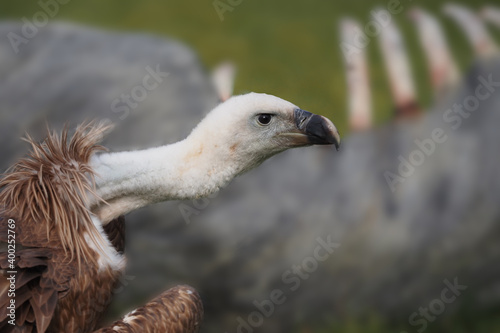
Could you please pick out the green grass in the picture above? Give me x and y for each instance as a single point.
(466, 320)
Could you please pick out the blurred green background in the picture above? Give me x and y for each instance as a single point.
(285, 48)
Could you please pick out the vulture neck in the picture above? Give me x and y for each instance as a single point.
(184, 170)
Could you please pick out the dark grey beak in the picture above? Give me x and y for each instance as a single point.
(318, 129)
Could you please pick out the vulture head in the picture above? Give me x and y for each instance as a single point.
(236, 136)
(248, 129)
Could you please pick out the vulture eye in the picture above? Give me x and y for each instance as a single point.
(264, 118)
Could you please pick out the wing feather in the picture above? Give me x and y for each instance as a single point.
(35, 303)
(177, 310)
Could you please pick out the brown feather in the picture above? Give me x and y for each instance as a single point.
(47, 194)
(30, 263)
(51, 186)
(177, 310)
(43, 302)
(115, 230)
(22, 314)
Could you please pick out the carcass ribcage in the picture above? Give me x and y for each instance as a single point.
(443, 70)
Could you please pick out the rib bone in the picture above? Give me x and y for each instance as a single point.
(359, 95)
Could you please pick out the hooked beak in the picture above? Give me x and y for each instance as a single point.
(317, 129)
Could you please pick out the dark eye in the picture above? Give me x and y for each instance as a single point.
(264, 118)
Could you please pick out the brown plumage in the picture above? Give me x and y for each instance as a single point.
(51, 188)
(115, 230)
(60, 285)
(178, 309)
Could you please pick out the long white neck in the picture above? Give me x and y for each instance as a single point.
(183, 170)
